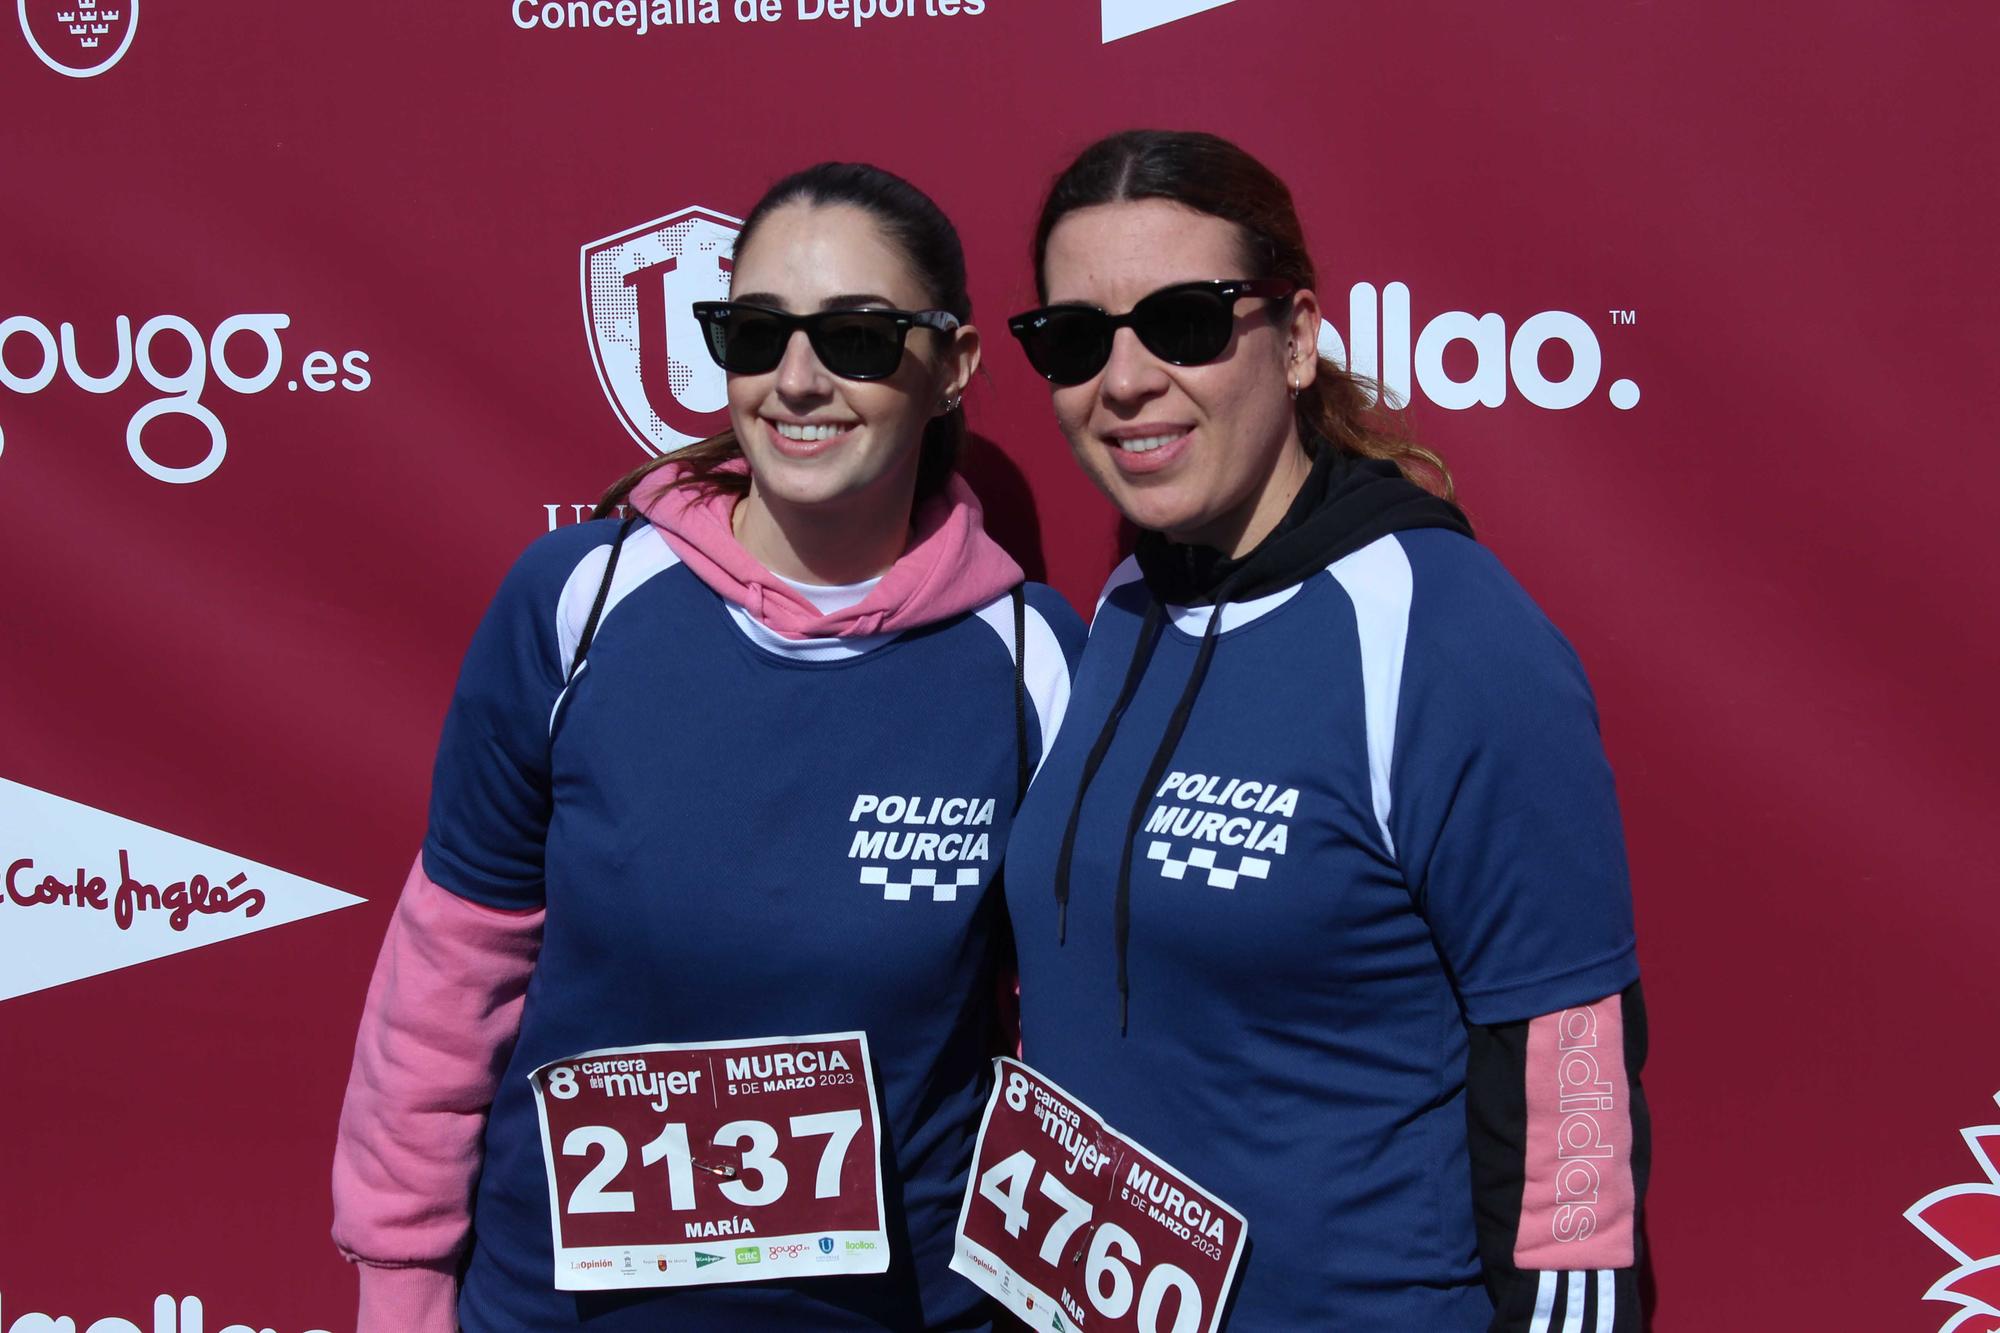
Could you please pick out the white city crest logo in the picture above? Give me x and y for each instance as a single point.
(87, 892)
(1122, 18)
(638, 287)
(79, 38)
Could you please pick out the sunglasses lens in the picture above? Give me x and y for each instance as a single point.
(859, 345)
(746, 341)
(1067, 346)
(1187, 327)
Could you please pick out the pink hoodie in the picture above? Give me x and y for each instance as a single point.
(444, 1004)
(950, 566)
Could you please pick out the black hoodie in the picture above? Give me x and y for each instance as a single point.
(1345, 503)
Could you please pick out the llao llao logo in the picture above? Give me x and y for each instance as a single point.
(638, 287)
(1964, 1221)
(80, 38)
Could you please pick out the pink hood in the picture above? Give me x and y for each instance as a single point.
(950, 565)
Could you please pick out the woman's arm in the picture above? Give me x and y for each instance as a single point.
(443, 1010)
(1561, 1145)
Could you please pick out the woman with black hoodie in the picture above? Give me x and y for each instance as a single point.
(1321, 894)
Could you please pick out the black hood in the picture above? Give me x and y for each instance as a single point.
(1345, 503)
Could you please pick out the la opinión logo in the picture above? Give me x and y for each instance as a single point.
(1964, 1221)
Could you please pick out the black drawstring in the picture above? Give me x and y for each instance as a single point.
(583, 640)
(1142, 653)
(1162, 756)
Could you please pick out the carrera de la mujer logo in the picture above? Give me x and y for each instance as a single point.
(79, 38)
(1963, 1220)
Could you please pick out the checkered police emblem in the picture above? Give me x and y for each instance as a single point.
(1204, 859)
(898, 890)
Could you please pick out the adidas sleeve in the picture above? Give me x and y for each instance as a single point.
(1561, 1147)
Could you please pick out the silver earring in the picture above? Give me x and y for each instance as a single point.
(951, 404)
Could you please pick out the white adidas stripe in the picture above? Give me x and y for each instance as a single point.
(1573, 1314)
(1545, 1302)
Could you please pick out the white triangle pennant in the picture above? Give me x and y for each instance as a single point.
(1122, 18)
(88, 892)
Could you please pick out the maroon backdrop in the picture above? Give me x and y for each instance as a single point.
(1769, 225)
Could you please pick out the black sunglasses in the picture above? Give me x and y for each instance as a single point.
(864, 344)
(1187, 324)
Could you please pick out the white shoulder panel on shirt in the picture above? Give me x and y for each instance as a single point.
(1127, 572)
(1379, 583)
(1046, 671)
(644, 555)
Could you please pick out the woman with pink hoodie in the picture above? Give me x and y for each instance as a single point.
(737, 768)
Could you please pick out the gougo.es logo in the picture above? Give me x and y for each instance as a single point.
(242, 353)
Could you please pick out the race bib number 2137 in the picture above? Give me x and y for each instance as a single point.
(1074, 1226)
(685, 1165)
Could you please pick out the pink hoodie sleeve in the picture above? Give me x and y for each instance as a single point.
(443, 1010)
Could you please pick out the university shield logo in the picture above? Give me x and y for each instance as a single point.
(1964, 1222)
(826, 1245)
(637, 290)
(80, 38)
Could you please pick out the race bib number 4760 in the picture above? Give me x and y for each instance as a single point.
(719, 1161)
(1073, 1226)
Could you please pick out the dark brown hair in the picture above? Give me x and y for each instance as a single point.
(1212, 175)
(910, 219)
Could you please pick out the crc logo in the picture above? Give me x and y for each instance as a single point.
(1964, 1222)
(79, 38)
(637, 290)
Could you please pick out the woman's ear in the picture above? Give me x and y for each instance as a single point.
(1302, 338)
(957, 367)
